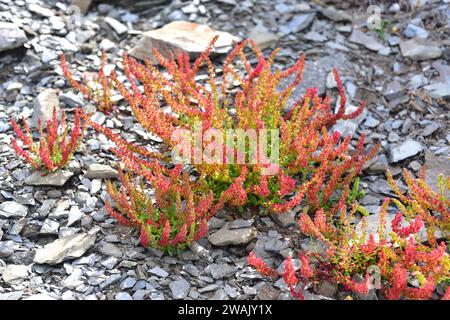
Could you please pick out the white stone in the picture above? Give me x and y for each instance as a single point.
(43, 106)
(405, 150)
(11, 36)
(189, 37)
(65, 248)
(118, 27)
(57, 178)
(75, 215)
(420, 49)
(14, 274)
(12, 209)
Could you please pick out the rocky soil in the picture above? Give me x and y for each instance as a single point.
(56, 240)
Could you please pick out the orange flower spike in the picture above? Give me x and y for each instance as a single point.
(260, 265)
(289, 276)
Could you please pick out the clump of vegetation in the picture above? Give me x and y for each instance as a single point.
(311, 163)
(56, 144)
(397, 261)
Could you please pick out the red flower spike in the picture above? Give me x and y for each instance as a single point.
(52, 151)
(164, 241)
(203, 228)
(289, 276)
(180, 237)
(305, 269)
(260, 265)
(399, 283)
(144, 238)
(360, 287)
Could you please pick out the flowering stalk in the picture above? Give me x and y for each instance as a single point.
(99, 92)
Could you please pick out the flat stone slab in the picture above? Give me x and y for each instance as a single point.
(407, 149)
(11, 36)
(70, 247)
(101, 171)
(226, 236)
(186, 36)
(420, 49)
(57, 178)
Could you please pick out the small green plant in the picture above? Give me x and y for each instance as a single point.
(381, 29)
(355, 193)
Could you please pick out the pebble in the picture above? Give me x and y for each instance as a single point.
(405, 150)
(116, 25)
(12, 209)
(371, 122)
(298, 23)
(110, 249)
(65, 207)
(420, 49)
(220, 271)
(413, 31)
(11, 36)
(361, 38)
(179, 288)
(39, 10)
(100, 171)
(14, 295)
(158, 271)
(430, 129)
(226, 236)
(127, 283)
(49, 227)
(191, 269)
(107, 45)
(71, 99)
(123, 296)
(14, 274)
(75, 215)
(285, 219)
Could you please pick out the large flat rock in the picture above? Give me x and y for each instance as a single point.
(181, 35)
(57, 178)
(70, 247)
(11, 36)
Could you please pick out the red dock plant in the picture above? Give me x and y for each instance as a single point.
(174, 216)
(388, 261)
(313, 164)
(55, 147)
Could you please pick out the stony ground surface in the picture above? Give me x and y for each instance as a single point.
(57, 242)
